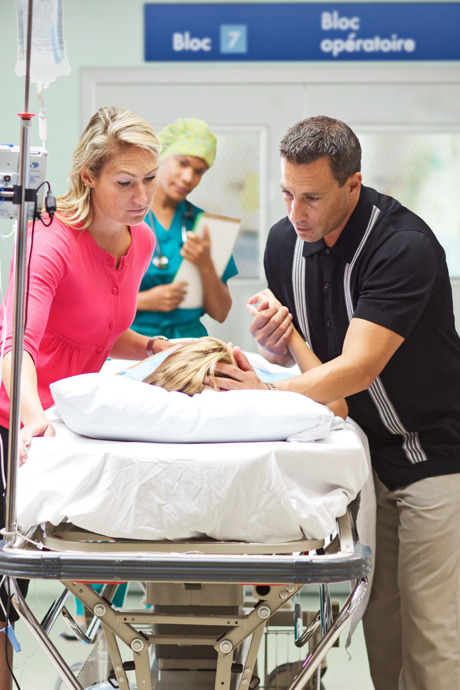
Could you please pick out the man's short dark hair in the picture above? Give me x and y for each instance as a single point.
(316, 137)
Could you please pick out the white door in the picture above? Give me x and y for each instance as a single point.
(408, 122)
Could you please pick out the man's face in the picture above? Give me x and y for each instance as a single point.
(316, 204)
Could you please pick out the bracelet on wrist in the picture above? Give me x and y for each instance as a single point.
(150, 347)
(271, 386)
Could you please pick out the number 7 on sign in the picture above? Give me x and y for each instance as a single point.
(233, 38)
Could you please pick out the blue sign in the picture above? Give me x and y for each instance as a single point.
(234, 38)
(355, 31)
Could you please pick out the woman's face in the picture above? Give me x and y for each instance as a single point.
(179, 175)
(123, 191)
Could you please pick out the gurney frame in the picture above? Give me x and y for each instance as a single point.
(76, 558)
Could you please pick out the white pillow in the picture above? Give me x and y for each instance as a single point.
(118, 408)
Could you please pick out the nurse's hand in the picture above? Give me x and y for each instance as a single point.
(241, 377)
(40, 426)
(198, 250)
(272, 326)
(162, 298)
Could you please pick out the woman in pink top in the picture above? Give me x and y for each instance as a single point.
(84, 276)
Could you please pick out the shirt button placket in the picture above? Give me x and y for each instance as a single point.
(327, 299)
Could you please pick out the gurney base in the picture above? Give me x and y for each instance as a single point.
(234, 639)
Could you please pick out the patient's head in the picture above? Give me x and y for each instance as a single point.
(187, 366)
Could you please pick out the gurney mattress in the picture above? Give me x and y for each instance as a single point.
(259, 491)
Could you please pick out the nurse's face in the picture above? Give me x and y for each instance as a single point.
(122, 192)
(179, 175)
(317, 206)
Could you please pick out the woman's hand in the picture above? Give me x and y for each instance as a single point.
(162, 298)
(272, 326)
(217, 300)
(38, 427)
(34, 419)
(262, 300)
(198, 250)
(160, 345)
(241, 377)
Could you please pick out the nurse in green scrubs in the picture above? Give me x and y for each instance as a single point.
(188, 151)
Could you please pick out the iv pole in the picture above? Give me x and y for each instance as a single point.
(18, 324)
(17, 357)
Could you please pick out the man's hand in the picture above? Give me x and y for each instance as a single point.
(272, 325)
(241, 377)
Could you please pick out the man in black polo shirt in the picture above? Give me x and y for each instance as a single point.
(366, 283)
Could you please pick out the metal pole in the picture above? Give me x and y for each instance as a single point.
(42, 638)
(314, 659)
(18, 324)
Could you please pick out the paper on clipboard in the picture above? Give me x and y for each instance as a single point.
(222, 234)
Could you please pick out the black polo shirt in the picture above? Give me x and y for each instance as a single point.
(386, 267)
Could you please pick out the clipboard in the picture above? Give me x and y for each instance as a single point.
(223, 232)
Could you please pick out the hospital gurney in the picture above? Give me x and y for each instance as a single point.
(201, 622)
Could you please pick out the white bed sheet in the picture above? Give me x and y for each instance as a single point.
(260, 492)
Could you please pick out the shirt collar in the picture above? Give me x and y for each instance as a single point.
(353, 232)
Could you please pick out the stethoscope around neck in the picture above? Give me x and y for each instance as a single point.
(159, 260)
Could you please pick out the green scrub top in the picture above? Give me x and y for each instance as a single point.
(179, 323)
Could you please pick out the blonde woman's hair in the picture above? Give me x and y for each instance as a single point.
(185, 369)
(108, 132)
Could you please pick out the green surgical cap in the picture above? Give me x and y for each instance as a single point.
(188, 137)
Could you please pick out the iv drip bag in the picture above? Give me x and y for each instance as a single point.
(48, 56)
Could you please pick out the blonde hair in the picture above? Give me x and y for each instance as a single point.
(109, 131)
(185, 369)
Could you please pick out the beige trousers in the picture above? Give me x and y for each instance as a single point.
(412, 622)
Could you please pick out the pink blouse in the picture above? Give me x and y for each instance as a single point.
(77, 303)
